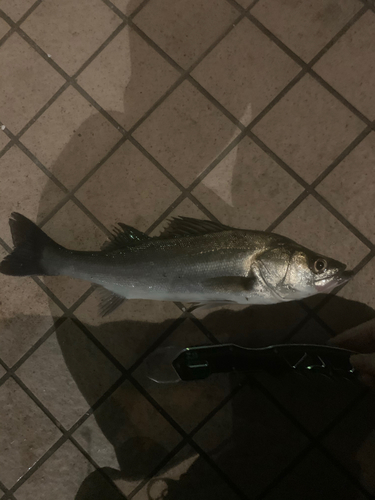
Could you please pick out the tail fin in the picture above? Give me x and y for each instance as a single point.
(29, 244)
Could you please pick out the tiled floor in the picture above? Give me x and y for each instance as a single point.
(257, 113)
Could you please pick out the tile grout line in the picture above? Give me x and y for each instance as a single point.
(314, 441)
(295, 462)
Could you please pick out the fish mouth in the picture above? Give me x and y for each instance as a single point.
(326, 285)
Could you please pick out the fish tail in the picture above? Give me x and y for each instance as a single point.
(32, 249)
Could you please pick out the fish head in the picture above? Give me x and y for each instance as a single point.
(294, 273)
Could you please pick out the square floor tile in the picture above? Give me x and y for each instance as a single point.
(305, 27)
(308, 128)
(352, 441)
(187, 402)
(313, 226)
(28, 82)
(71, 137)
(349, 66)
(127, 6)
(67, 475)
(354, 304)
(185, 29)
(71, 31)
(16, 8)
(350, 187)
(131, 329)
(4, 139)
(247, 189)
(25, 315)
(127, 188)
(68, 373)
(259, 445)
(139, 435)
(245, 71)
(71, 228)
(186, 133)
(190, 478)
(23, 190)
(26, 432)
(127, 77)
(315, 477)
(4, 27)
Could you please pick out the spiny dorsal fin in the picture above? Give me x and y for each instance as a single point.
(187, 226)
(109, 301)
(124, 236)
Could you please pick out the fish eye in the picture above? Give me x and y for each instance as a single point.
(320, 265)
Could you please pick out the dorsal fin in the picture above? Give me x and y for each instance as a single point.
(124, 236)
(187, 226)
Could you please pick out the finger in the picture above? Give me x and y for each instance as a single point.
(363, 363)
(360, 338)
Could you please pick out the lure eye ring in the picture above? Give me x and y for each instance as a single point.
(320, 265)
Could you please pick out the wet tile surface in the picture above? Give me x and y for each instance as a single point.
(75, 170)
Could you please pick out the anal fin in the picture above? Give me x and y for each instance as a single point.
(109, 301)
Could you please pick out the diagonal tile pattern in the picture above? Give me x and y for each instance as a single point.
(133, 137)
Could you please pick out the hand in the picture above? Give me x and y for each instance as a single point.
(362, 340)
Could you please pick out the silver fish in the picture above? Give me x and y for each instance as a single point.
(191, 261)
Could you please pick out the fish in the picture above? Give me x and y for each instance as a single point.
(202, 262)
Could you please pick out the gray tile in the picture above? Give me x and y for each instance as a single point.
(28, 82)
(128, 77)
(305, 27)
(127, 436)
(350, 187)
(16, 8)
(67, 475)
(68, 373)
(69, 31)
(185, 36)
(349, 65)
(25, 315)
(247, 189)
(308, 128)
(127, 188)
(244, 81)
(65, 143)
(186, 133)
(258, 445)
(26, 432)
